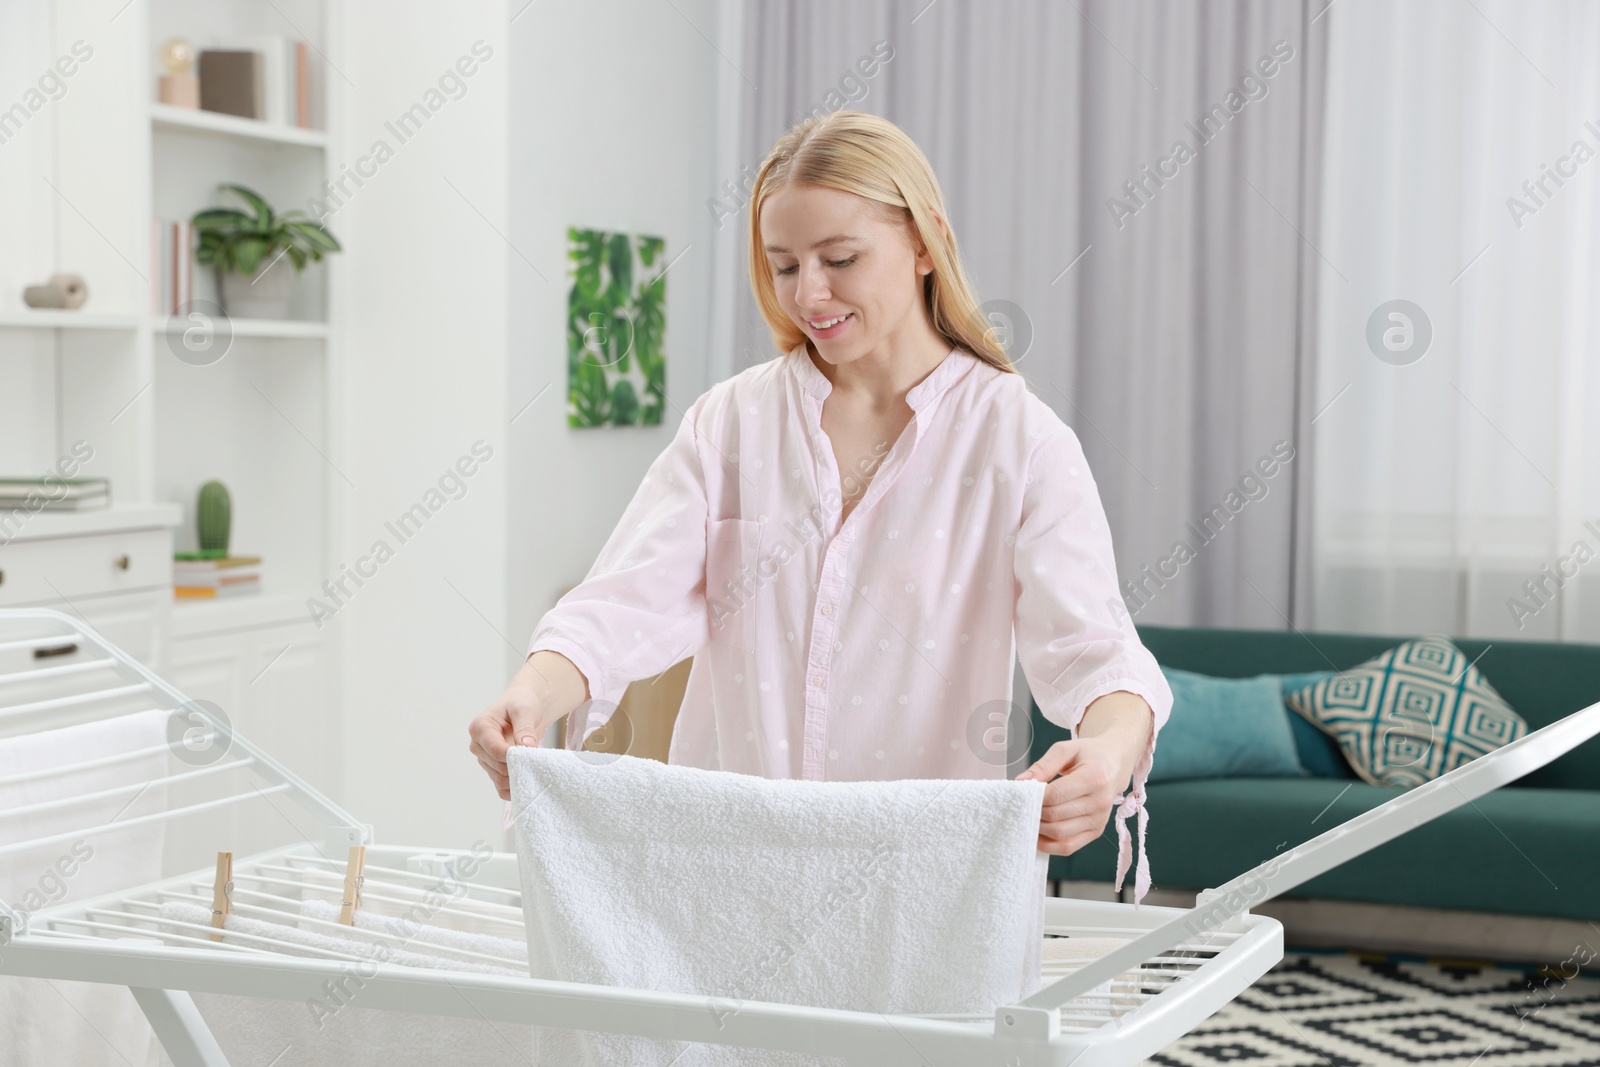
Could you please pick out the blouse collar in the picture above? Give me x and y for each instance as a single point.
(932, 385)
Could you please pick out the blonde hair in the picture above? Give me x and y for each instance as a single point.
(856, 152)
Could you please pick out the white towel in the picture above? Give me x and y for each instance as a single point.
(334, 1030)
(912, 896)
(44, 1023)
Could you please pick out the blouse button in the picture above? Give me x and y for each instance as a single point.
(827, 609)
(816, 680)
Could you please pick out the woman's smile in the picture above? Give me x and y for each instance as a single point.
(824, 332)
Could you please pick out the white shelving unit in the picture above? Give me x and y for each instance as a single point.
(83, 179)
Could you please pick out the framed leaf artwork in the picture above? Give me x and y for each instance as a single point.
(616, 322)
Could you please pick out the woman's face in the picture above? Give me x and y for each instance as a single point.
(830, 256)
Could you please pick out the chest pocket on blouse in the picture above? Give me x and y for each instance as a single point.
(733, 547)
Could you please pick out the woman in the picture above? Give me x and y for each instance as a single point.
(849, 538)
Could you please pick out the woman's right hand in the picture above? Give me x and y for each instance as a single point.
(545, 688)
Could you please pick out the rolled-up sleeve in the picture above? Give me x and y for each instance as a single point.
(642, 606)
(1075, 638)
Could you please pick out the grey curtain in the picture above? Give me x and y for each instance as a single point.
(1165, 319)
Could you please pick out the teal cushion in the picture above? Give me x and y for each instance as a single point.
(1410, 714)
(1319, 754)
(1225, 727)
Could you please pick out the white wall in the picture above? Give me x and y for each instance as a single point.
(613, 125)
(456, 303)
(421, 376)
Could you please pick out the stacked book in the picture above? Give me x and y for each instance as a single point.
(202, 575)
(172, 264)
(54, 494)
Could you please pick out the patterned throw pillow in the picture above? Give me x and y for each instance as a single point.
(1411, 714)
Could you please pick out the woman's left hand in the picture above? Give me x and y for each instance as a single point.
(1086, 776)
(1078, 804)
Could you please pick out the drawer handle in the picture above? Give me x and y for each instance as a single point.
(47, 653)
(122, 563)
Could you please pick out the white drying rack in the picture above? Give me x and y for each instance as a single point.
(1171, 967)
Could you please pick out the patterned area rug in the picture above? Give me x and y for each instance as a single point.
(1348, 1010)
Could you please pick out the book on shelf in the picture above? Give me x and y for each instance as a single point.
(268, 77)
(231, 82)
(232, 577)
(171, 264)
(212, 592)
(203, 575)
(54, 494)
(213, 559)
(302, 85)
(204, 563)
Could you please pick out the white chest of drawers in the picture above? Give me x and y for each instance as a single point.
(112, 568)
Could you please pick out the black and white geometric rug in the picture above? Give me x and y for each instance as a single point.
(1350, 1010)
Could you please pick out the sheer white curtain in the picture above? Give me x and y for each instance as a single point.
(1458, 487)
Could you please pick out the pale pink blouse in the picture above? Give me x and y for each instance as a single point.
(883, 647)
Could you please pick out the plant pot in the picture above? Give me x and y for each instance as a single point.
(265, 296)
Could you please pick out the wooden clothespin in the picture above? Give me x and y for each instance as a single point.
(222, 892)
(353, 877)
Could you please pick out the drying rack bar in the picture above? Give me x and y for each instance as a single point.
(388, 876)
(132, 788)
(1218, 907)
(142, 820)
(62, 670)
(16, 711)
(334, 867)
(29, 643)
(94, 764)
(370, 897)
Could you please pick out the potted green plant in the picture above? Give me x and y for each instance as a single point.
(248, 251)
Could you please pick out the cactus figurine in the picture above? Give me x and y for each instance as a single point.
(213, 515)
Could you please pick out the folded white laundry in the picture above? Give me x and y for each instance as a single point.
(41, 1021)
(915, 896)
(335, 1030)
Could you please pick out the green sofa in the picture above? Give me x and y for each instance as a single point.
(1531, 848)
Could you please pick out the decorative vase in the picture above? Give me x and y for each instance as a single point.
(213, 517)
(265, 295)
